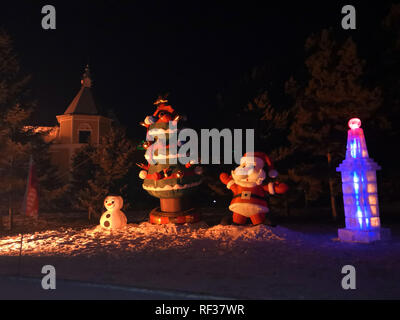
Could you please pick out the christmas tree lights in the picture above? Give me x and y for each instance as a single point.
(165, 177)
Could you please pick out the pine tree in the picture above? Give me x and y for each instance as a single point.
(271, 122)
(333, 94)
(52, 190)
(13, 84)
(101, 170)
(258, 102)
(14, 112)
(387, 70)
(15, 155)
(18, 140)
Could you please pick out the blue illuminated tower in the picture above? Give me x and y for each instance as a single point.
(360, 192)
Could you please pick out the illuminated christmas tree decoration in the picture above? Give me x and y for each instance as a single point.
(360, 192)
(163, 176)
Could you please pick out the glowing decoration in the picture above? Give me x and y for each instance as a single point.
(150, 120)
(354, 123)
(165, 177)
(249, 192)
(113, 218)
(146, 145)
(180, 174)
(360, 192)
(142, 174)
(140, 146)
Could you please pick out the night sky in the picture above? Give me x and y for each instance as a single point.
(192, 49)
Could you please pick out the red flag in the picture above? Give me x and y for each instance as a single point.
(31, 201)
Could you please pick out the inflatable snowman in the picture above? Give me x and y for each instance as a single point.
(113, 218)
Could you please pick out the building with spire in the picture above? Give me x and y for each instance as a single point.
(80, 125)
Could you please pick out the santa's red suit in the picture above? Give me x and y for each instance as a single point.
(249, 194)
(250, 202)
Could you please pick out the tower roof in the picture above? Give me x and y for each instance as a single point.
(83, 103)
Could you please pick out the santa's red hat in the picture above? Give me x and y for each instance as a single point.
(163, 107)
(272, 173)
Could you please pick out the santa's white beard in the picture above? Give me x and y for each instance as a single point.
(252, 179)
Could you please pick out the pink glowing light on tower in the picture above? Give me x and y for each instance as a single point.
(354, 123)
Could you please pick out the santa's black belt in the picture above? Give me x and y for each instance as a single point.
(248, 196)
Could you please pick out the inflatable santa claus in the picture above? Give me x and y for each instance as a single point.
(249, 192)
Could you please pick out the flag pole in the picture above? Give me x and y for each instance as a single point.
(10, 216)
(10, 210)
(24, 210)
(30, 204)
(20, 255)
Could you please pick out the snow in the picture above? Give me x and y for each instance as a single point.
(293, 261)
(132, 238)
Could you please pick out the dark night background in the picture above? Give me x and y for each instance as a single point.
(204, 54)
(194, 50)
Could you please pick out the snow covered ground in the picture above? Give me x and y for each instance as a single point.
(132, 239)
(251, 262)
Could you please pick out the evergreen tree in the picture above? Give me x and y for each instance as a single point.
(13, 84)
(15, 156)
(271, 128)
(15, 110)
(333, 94)
(258, 101)
(18, 140)
(101, 170)
(271, 122)
(389, 67)
(387, 75)
(52, 189)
